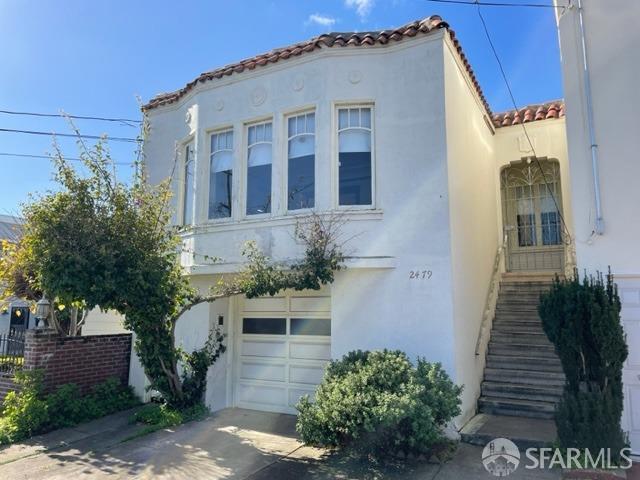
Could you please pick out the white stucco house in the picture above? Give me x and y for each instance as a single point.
(447, 207)
(602, 98)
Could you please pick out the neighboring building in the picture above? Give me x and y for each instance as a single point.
(391, 130)
(612, 40)
(14, 313)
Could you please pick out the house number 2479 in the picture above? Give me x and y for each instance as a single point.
(420, 274)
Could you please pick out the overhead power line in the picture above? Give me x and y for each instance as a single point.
(71, 135)
(515, 106)
(500, 4)
(27, 155)
(75, 117)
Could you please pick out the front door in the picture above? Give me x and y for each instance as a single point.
(531, 212)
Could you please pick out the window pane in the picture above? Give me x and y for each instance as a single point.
(259, 189)
(220, 194)
(355, 178)
(354, 117)
(265, 326)
(343, 118)
(260, 154)
(301, 179)
(188, 186)
(355, 141)
(310, 326)
(354, 172)
(365, 117)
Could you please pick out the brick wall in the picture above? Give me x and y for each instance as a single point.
(6, 384)
(85, 361)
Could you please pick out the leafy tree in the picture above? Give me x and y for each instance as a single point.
(100, 242)
(582, 320)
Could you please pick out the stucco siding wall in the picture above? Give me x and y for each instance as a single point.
(473, 216)
(613, 43)
(103, 323)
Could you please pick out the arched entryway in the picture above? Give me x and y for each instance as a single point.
(531, 213)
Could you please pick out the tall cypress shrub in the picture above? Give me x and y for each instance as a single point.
(582, 320)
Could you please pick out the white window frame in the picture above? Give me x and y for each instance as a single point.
(285, 170)
(337, 106)
(208, 134)
(189, 143)
(245, 169)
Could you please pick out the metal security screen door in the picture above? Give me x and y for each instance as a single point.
(532, 222)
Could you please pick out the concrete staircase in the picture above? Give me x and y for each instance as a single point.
(523, 376)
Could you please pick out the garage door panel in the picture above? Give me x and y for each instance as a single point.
(310, 350)
(262, 394)
(310, 304)
(296, 393)
(263, 371)
(309, 374)
(264, 348)
(269, 304)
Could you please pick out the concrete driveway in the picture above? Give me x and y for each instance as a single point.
(232, 444)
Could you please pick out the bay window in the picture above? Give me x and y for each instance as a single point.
(354, 156)
(301, 161)
(259, 159)
(221, 174)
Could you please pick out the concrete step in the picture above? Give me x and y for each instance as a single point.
(517, 320)
(524, 432)
(517, 305)
(531, 338)
(524, 377)
(516, 391)
(517, 408)
(518, 348)
(532, 364)
(524, 329)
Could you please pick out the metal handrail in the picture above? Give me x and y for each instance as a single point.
(492, 294)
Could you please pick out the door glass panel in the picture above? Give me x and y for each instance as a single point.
(310, 326)
(264, 326)
(525, 218)
(549, 216)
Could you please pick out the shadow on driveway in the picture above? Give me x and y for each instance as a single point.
(232, 444)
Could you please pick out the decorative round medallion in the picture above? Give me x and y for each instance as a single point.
(298, 83)
(187, 117)
(258, 96)
(219, 105)
(355, 76)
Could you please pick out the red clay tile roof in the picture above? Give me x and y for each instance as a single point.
(340, 39)
(530, 113)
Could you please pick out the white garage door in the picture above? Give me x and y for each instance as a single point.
(281, 355)
(629, 289)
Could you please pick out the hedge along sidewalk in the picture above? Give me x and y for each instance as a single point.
(94, 435)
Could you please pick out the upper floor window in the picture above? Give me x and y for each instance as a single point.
(188, 186)
(221, 174)
(301, 161)
(354, 156)
(259, 159)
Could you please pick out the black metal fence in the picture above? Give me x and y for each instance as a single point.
(11, 351)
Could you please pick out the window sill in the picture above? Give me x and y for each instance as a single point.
(290, 218)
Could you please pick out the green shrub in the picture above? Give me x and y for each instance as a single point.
(379, 403)
(28, 412)
(582, 320)
(24, 413)
(158, 416)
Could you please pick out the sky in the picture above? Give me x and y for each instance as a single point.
(97, 57)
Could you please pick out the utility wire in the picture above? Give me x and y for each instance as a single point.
(499, 4)
(515, 106)
(76, 117)
(72, 135)
(27, 155)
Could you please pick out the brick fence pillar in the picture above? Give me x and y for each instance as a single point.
(85, 361)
